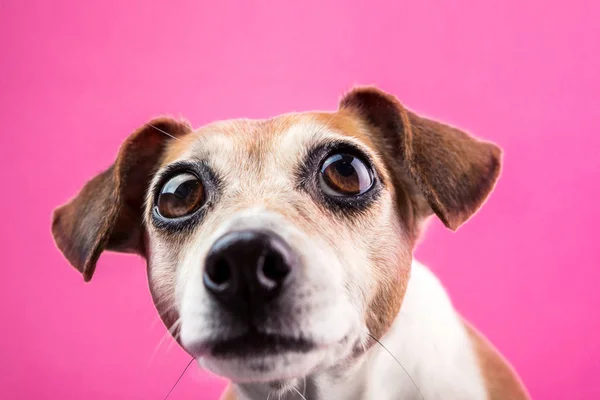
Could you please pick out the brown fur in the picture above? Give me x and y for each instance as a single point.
(501, 381)
(106, 212)
(454, 171)
(345, 123)
(385, 306)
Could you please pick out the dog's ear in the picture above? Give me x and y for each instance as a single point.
(452, 170)
(107, 212)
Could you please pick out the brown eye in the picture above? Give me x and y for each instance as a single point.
(345, 175)
(180, 196)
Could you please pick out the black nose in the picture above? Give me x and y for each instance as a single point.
(247, 267)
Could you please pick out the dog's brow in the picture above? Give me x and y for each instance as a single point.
(326, 125)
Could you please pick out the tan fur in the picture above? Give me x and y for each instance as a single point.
(385, 306)
(501, 380)
(346, 123)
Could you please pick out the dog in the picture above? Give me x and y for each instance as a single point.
(280, 252)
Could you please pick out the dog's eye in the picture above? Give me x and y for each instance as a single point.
(180, 196)
(345, 175)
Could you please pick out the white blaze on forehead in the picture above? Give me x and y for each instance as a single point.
(301, 136)
(309, 131)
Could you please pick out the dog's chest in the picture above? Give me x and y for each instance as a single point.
(427, 353)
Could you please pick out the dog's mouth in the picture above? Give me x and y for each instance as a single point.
(252, 355)
(260, 357)
(255, 344)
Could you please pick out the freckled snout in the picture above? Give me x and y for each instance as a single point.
(245, 270)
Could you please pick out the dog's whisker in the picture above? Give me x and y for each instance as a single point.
(161, 304)
(165, 132)
(179, 379)
(174, 332)
(363, 342)
(335, 114)
(169, 333)
(170, 345)
(155, 351)
(398, 362)
(299, 394)
(154, 322)
(304, 389)
(175, 325)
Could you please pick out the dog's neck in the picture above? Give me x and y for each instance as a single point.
(347, 382)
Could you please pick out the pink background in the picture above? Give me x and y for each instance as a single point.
(75, 79)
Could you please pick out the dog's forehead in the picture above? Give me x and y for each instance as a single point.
(275, 143)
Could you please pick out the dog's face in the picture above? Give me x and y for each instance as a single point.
(276, 248)
(271, 239)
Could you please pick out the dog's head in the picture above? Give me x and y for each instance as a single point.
(276, 247)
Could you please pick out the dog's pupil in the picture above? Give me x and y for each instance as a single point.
(184, 189)
(345, 168)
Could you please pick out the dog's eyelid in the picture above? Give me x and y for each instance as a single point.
(193, 166)
(316, 154)
(163, 174)
(371, 158)
(332, 146)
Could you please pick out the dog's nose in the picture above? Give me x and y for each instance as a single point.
(248, 267)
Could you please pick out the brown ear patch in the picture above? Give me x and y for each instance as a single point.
(81, 227)
(106, 214)
(454, 171)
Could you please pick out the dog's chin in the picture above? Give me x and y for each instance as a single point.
(272, 368)
(269, 359)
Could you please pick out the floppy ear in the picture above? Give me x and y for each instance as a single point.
(107, 212)
(453, 171)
